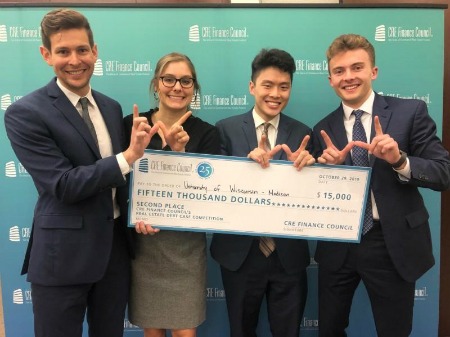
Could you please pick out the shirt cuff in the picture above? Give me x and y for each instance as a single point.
(123, 164)
(405, 173)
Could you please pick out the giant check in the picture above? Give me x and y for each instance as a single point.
(195, 192)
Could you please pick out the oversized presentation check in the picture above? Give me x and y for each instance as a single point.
(193, 192)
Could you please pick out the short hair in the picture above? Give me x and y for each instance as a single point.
(276, 58)
(347, 42)
(169, 58)
(63, 19)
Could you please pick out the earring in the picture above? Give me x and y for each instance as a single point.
(156, 96)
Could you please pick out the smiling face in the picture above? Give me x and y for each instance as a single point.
(72, 59)
(176, 98)
(351, 76)
(271, 90)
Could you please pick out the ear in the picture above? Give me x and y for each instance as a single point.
(251, 88)
(374, 73)
(95, 50)
(46, 55)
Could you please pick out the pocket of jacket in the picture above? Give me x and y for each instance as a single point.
(59, 221)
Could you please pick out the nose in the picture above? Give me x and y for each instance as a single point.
(74, 59)
(177, 85)
(275, 91)
(348, 75)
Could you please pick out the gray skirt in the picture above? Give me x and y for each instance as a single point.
(168, 280)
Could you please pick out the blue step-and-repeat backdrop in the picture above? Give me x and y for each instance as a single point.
(222, 43)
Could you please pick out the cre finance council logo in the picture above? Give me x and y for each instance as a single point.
(215, 294)
(309, 324)
(420, 294)
(399, 33)
(13, 171)
(17, 234)
(422, 96)
(143, 165)
(199, 33)
(7, 99)
(21, 296)
(225, 102)
(127, 325)
(122, 68)
(19, 34)
(311, 67)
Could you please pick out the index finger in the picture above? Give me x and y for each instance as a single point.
(135, 111)
(378, 129)
(304, 143)
(326, 139)
(184, 117)
(262, 143)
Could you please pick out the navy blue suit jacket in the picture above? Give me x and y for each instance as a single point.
(238, 138)
(403, 216)
(73, 218)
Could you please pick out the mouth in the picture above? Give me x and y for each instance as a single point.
(177, 98)
(75, 72)
(273, 104)
(350, 87)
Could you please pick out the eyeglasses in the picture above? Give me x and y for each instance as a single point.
(170, 82)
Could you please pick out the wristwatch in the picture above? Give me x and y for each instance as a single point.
(401, 161)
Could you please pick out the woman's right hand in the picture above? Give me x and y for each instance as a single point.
(143, 228)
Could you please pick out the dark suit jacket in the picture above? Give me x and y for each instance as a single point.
(238, 138)
(403, 216)
(73, 218)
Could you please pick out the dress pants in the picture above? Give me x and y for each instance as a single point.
(261, 276)
(60, 310)
(391, 297)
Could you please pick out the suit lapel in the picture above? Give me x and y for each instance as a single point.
(62, 103)
(249, 131)
(110, 124)
(380, 109)
(337, 131)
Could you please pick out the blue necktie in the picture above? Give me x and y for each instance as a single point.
(360, 158)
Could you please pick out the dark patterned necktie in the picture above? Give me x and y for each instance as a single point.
(360, 157)
(266, 244)
(87, 119)
(265, 132)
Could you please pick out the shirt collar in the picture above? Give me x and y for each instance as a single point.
(367, 106)
(258, 120)
(74, 98)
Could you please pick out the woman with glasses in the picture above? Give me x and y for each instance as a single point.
(169, 272)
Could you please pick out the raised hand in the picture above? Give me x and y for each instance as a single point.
(262, 154)
(176, 137)
(332, 155)
(141, 134)
(382, 146)
(301, 157)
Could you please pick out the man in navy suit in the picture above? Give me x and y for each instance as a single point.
(78, 255)
(405, 154)
(249, 269)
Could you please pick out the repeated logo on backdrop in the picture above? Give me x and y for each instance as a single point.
(409, 33)
(19, 33)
